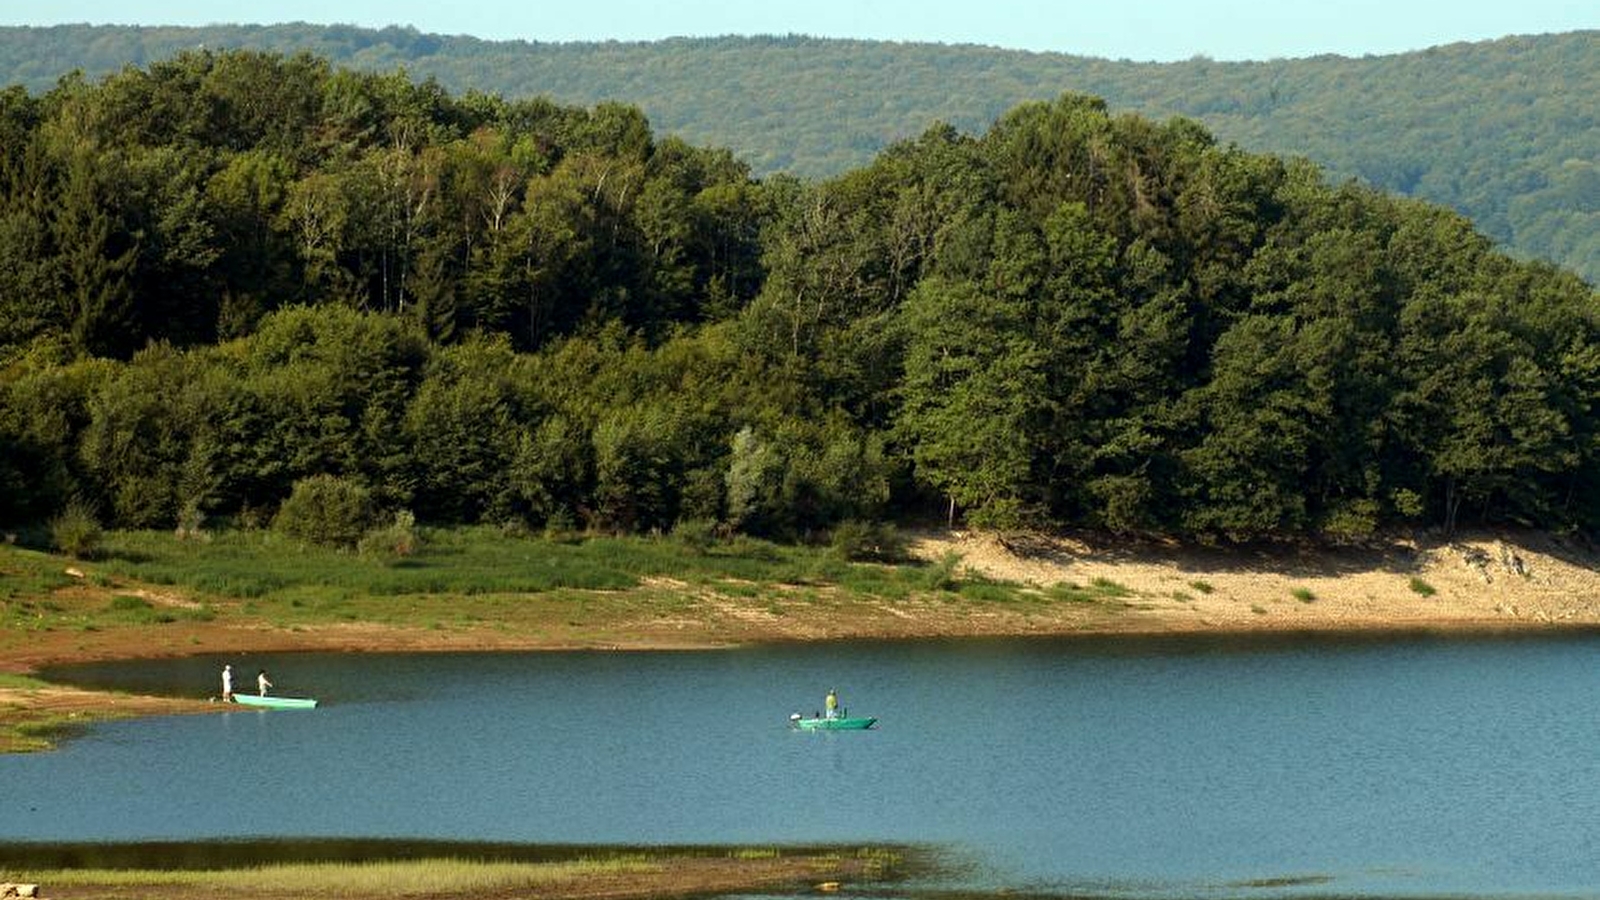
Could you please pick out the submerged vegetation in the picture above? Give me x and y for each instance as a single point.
(619, 871)
(245, 298)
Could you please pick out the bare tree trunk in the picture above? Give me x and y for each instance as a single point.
(1452, 505)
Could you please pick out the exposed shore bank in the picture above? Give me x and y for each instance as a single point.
(613, 876)
(1472, 584)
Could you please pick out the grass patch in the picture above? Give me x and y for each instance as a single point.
(30, 731)
(289, 582)
(1108, 588)
(1304, 595)
(1422, 588)
(388, 878)
(1098, 591)
(457, 578)
(688, 871)
(986, 591)
(1203, 587)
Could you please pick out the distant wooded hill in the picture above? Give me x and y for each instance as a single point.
(1506, 131)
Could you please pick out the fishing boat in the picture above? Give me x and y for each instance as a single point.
(274, 702)
(838, 723)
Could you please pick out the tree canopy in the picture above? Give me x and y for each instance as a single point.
(235, 279)
(1504, 131)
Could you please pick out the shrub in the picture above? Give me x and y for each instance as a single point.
(696, 535)
(397, 539)
(1408, 503)
(326, 510)
(561, 526)
(76, 530)
(1304, 595)
(191, 521)
(1352, 521)
(941, 576)
(858, 541)
(1422, 587)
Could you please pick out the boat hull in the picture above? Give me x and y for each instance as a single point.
(274, 702)
(860, 723)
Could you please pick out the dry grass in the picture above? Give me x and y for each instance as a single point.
(613, 878)
(390, 878)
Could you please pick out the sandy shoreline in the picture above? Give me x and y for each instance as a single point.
(1479, 583)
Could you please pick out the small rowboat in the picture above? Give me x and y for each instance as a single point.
(274, 702)
(841, 723)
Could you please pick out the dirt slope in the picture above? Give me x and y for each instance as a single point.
(1478, 580)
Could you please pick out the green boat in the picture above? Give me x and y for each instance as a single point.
(274, 702)
(838, 723)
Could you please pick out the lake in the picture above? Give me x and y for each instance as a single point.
(1192, 767)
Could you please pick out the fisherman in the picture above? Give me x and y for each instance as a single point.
(227, 684)
(262, 682)
(831, 704)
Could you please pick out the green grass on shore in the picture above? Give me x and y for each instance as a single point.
(496, 576)
(387, 878)
(449, 876)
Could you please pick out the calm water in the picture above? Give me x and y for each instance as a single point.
(1413, 767)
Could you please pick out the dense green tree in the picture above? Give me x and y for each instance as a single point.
(95, 258)
(481, 310)
(462, 433)
(973, 396)
(1495, 129)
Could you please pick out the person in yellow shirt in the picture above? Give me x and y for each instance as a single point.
(831, 704)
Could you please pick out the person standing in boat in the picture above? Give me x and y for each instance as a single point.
(227, 684)
(830, 704)
(262, 682)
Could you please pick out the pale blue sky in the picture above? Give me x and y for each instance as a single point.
(1132, 29)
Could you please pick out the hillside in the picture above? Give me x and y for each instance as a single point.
(1504, 131)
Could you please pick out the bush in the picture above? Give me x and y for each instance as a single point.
(942, 575)
(860, 541)
(326, 510)
(1352, 521)
(561, 526)
(696, 535)
(191, 521)
(1422, 587)
(397, 539)
(76, 530)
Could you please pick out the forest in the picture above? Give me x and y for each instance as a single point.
(234, 283)
(1504, 131)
